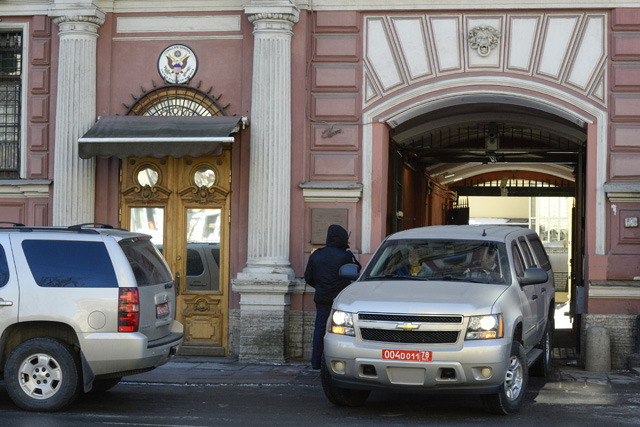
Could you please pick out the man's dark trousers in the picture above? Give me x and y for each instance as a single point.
(322, 315)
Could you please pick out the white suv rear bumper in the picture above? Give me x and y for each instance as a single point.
(108, 353)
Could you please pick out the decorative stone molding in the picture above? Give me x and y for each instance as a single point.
(76, 23)
(320, 191)
(623, 191)
(24, 188)
(615, 289)
(483, 39)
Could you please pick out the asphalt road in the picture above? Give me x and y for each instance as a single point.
(139, 404)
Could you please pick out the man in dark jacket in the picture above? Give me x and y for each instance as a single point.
(322, 274)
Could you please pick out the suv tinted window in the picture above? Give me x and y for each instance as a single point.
(440, 259)
(517, 260)
(526, 252)
(146, 262)
(66, 263)
(541, 254)
(4, 268)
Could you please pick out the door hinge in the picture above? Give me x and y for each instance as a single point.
(229, 215)
(120, 215)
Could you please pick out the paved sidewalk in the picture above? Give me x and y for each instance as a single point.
(228, 370)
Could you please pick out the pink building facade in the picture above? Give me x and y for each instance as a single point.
(326, 94)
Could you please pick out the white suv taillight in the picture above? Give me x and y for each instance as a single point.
(128, 310)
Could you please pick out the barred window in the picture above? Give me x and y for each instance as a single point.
(10, 96)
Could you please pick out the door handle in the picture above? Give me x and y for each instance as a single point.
(177, 284)
(544, 289)
(534, 296)
(4, 303)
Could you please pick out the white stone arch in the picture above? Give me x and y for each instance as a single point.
(472, 89)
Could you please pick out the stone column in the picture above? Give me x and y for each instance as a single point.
(266, 282)
(73, 177)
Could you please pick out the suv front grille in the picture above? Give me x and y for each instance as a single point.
(410, 318)
(413, 337)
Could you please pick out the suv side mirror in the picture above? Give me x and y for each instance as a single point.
(349, 271)
(533, 276)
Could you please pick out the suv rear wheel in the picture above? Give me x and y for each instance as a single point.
(41, 374)
(337, 395)
(511, 394)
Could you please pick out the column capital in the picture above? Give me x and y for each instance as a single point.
(77, 15)
(272, 15)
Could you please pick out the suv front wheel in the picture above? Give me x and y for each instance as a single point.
(41, 374)
(337, 395)
(511, 395)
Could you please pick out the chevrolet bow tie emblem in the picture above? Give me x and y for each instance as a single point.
(407, 326)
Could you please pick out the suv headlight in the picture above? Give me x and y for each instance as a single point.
(484, 327)
(341, 323)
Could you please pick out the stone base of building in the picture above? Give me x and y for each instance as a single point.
(264, 317)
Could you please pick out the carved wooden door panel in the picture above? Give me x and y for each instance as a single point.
(184, 204)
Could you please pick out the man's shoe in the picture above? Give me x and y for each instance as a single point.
(315, 367)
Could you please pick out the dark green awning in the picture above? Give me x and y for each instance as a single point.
(158, 136)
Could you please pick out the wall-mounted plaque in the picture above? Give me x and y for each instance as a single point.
(322, 218)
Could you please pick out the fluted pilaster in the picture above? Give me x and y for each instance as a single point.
(74, 178)
(266, 282)
(270, 170)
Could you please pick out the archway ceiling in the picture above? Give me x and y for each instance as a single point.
(468, 140)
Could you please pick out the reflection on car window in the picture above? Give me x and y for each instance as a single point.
(66, 263)
(195, 267)
(441, 259)
(4, 268)
(146, 262)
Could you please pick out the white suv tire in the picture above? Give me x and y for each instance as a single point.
(42, 374)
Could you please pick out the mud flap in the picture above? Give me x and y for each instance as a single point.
(87, 374)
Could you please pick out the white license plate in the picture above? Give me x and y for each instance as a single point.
(408, 355)
(162, 310)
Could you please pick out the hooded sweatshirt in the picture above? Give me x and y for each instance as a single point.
(324, 264)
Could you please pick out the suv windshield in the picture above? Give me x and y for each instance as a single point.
(146, 262)
(440, 259)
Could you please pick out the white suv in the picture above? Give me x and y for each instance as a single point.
(81, 307)
(444, 309)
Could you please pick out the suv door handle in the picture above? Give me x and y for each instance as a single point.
(4, 303)
(544, 289)
(534, 296)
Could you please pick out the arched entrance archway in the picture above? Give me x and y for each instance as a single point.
(411, 117)
(395, 110)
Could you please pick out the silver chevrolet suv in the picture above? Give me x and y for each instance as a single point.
(81, 307)
(445, 309)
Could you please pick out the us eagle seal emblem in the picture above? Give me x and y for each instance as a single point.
(177, 64)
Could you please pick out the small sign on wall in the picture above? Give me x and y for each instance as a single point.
(322, 218)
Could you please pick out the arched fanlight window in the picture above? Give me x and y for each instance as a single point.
(176, 100)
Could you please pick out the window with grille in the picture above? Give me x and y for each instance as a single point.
(10, 95)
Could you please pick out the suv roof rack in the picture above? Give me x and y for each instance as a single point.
(88, 227)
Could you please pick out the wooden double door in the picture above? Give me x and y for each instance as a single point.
(184, 204)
